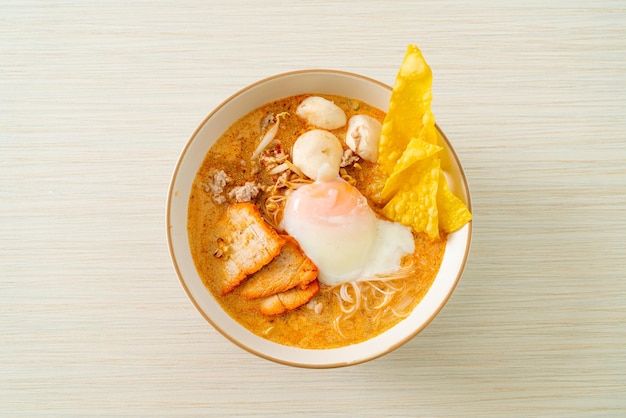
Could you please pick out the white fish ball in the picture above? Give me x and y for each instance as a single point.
(363, 136)
(321, 113)
(318, 149)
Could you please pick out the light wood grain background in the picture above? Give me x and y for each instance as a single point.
(97, 99)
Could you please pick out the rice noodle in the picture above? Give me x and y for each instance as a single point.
(274, 204)
(377, 299)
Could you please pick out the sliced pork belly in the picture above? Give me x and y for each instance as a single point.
(289, 300)
(289, 269)
(250, 244)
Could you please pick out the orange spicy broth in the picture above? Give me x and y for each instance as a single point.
(301, 327)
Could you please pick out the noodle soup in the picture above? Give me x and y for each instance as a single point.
(235, 171)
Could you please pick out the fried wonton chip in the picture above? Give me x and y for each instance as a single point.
(409, 103)
(453, 213)
(417, 150)
(415, 191)
(415, 203)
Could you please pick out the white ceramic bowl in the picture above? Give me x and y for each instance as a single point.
(211, 128)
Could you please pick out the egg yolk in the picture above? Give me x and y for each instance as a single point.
(328, 202)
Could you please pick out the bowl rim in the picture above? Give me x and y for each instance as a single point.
(171, 193)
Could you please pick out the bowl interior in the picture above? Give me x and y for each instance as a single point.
(190, 160)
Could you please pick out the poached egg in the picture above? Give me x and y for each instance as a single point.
(341, 234)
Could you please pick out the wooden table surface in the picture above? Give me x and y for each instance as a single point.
(98, 98)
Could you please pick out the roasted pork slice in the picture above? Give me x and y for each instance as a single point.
(250, 244)
(289, 300)
(289, 269)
